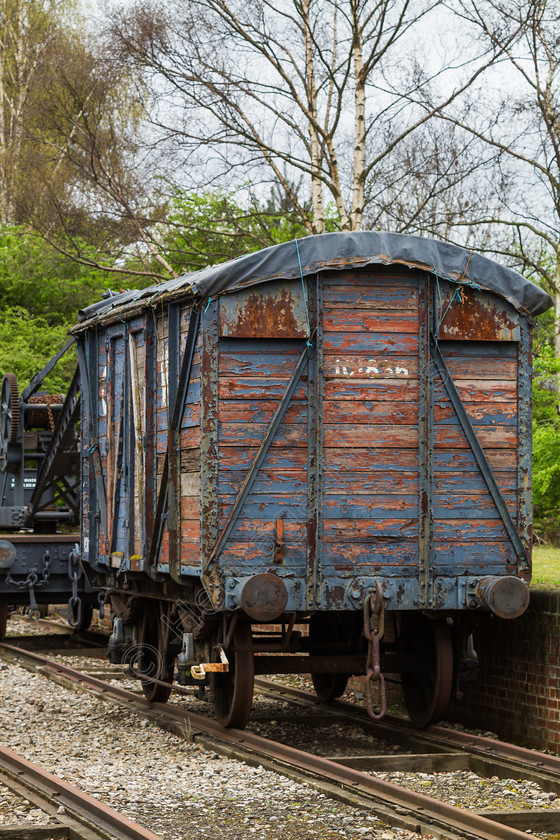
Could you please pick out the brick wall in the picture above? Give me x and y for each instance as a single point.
(518, 692)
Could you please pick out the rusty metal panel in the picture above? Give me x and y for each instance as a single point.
(277, 310)
(470, 314)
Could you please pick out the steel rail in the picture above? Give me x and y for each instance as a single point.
(87, 810)
(437, 735)
(419, 809)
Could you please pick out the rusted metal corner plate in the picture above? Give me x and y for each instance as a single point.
(470, 314)
(277, 310)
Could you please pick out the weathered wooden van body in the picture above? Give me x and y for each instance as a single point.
(294, 427)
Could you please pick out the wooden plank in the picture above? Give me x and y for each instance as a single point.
(258, 388)
(354, 530)
(479, 391)
(497, 437)
(259, 506)
(255, 362)
(481, 414)
(267, 481)
(374, 344)
(246, 411)
(243, 434)
(363, 320)
(373, 293)
(473, 482)
(370, 459)
(404, 390)
(471, 505)
(468, 531)
(375, 555)
(451, 557)
(345, 364)
(235, 458)
(189, 438)
(378, 436)
(369, 411)
(454, 460)
(425, 763)
(355, 506)
(367, 481)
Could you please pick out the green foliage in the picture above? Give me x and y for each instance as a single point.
(546, 367)
(546, 443)
(35, 277)
(205, 229)
(27, 343)
(40, 294)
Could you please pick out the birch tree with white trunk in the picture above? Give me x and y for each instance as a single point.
(272, 90)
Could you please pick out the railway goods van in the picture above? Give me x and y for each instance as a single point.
(312, 459)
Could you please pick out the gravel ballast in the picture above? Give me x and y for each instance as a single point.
(177, 789)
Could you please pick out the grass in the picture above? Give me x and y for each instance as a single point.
(546, 567)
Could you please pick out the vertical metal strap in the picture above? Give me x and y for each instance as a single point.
(261, 454)
(162, 509)
(93, 451)
(524, 436)
(478, 452)
(315, 446)
(425, 448)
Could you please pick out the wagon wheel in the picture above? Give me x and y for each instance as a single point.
(154, 659)
(325, 629)
(427, 681)
(233, 690)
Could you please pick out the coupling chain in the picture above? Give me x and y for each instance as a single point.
(74, 602)
(31, 582)
(374, 629)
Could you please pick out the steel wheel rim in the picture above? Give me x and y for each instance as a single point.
(427, 692)
(153, 659)
(233, 691)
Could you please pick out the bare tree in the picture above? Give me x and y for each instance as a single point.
(282, 88)
(519, 120)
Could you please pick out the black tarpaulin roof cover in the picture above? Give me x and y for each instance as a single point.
(306, 256)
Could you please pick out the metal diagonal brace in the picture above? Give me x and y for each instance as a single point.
(478, 452)
(261, 454)
(38, 378)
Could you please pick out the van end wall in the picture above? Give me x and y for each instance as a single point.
(517, 694)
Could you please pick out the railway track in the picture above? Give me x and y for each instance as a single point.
(74, 815)
(348, 778)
